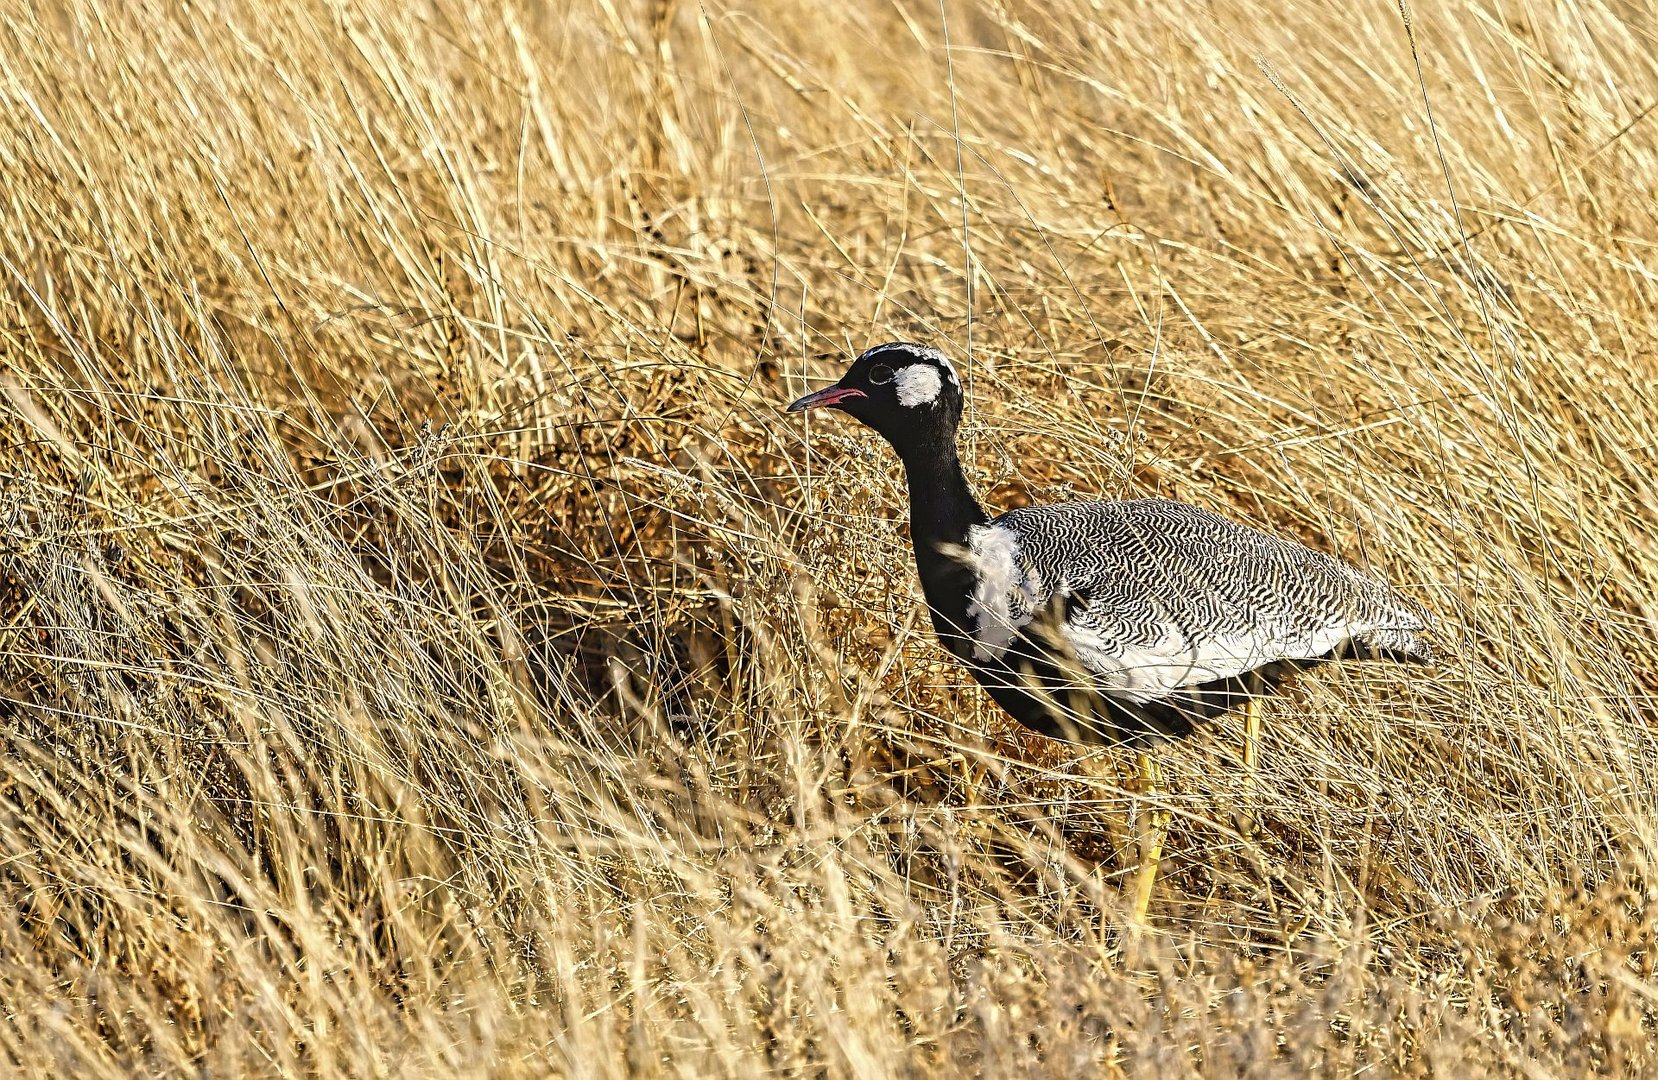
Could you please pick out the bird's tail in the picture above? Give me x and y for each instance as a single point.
(1394, 643)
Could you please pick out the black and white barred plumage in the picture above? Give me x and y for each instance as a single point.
(1108, 621)
(1170, 610)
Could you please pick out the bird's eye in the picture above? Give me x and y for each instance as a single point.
(880, 374)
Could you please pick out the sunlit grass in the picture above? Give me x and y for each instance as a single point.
(426, 649)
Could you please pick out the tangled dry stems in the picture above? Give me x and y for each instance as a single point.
(425, 648)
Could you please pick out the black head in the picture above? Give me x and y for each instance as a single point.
(908, 393)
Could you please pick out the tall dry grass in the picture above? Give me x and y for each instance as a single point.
(426, 650)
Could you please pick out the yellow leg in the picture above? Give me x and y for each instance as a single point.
(974, 772)
(1252, 742)
(1151, 826)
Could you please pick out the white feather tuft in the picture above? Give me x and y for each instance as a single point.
(1005, 592)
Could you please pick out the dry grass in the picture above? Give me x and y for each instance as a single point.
(425, 649)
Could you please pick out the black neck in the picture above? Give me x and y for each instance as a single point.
(942, 506)
(942, 510)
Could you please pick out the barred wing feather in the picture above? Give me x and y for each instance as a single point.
(1158, 596)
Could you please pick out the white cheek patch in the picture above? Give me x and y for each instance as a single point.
(918, 384)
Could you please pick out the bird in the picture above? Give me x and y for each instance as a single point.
(1110, 622)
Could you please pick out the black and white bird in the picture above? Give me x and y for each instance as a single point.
(1117, 622)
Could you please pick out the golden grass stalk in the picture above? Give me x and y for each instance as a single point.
(426, 649)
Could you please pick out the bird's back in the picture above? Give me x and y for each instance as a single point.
(1158, 596)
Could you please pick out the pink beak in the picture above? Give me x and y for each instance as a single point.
(832, 395)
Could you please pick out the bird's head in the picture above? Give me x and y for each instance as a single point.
(908, 393)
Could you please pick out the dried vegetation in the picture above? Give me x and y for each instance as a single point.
(425, 649)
